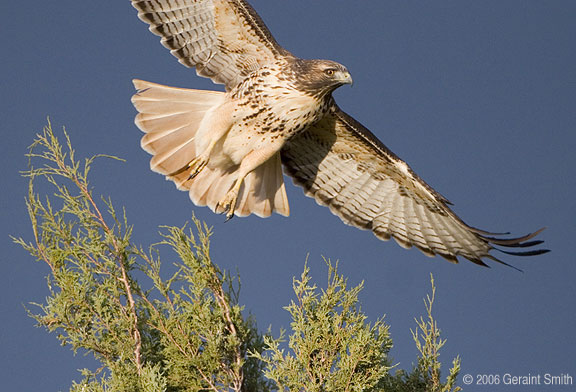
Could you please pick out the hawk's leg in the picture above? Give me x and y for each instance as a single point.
(214, 128)
(195, 166)
(250, 162)
(228, 204)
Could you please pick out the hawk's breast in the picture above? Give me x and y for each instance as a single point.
(269, 110)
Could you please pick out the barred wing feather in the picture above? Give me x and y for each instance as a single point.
(342, 165)
(224, 39)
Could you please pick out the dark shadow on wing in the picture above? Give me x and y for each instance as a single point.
(342, 165)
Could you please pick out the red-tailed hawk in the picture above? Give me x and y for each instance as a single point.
(227, 149)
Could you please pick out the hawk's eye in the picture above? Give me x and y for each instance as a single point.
(329, 72)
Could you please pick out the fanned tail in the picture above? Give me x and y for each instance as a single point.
(172, 119)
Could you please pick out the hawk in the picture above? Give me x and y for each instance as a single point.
(227, 149)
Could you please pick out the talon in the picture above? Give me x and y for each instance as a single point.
(228, 205)
(195, 166)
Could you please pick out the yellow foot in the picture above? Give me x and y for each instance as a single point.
(195, 166)
(228, 204)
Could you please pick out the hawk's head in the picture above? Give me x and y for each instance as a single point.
(319, 77)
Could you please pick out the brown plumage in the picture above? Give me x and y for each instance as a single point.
(227, 148)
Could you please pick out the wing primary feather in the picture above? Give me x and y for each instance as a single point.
(526, 253)
(513, 242)
(491, 257)
(331, 159)
(484, 232)
(525, 244)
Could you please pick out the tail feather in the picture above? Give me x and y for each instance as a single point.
(166, 140)
(158, 107)
(281, 198)
(171, 118)
(246, 202)
(167, 122)
(210, 186)
(172, 94)
(174, 159)
(264, 191)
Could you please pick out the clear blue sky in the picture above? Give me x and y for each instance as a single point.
(477, 96)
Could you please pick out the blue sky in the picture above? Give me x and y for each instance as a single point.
(477, 96)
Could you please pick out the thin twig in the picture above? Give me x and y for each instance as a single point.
(95, 211)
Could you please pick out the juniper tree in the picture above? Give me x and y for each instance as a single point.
(186, 331)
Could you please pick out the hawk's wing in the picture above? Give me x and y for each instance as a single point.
(344, 166)
(224, 39)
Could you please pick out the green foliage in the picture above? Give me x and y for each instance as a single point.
(187, 331)
(428, 342)
(425, 376)
(332, 346)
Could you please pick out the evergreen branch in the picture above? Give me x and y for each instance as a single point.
(53, 153)
(187, 332)
(136, 331)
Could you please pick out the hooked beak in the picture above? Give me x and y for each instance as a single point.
(346, 78)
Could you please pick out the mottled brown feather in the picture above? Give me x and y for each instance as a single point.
(342, 165)
(224, 39)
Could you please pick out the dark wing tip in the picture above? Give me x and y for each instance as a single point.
(515, 242)
(519, 242)
(504, 263)
(527, 253)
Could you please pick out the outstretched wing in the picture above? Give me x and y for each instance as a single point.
(344, 166)
(224, 39)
